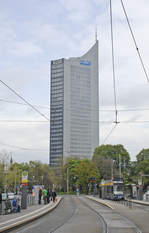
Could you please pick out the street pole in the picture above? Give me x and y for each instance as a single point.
(67, 180)
(5, 171)
(42, 180)
(120, 172)
(112, 172)
(15, 183)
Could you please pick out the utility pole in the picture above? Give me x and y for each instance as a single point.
(67, 180)
(42, 180)
(5, 172)
(120, 172)
(112, 169)
(15, 181)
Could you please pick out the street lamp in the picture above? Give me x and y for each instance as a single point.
(112, 169)
(120, 172)
(42, 180)
(5, 172)
(67, 180)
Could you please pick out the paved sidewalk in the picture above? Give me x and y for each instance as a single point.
(12, 220)
(138, 216)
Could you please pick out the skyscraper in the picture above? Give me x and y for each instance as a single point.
(74, 115)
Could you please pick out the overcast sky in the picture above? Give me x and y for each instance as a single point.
(34, 32)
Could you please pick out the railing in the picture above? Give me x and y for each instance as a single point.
(31, 200)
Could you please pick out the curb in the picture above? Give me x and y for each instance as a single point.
(101, 202)
(138, 202)
(44, 210)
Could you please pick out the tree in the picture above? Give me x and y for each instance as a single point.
(111, 156)
(142, 167)
(86, 170)
(4, 164)
(40, 174)
(49, 177)
(143, 155)
(80, 170)
(14, 177)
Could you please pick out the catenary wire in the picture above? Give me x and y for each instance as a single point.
(108, 121)
(89, 110)
(113, 61)
(113, 65)
(22, 121)
(110, 110)
(135, 42)
(22, 98)
(134, 121)
(33, 149)
(15, 102)
(21, 148)
(109, 134)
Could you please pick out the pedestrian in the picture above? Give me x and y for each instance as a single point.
(78, 192)
(48, 195)
(0, 203)
(44, 193)
(18, 204)
(53, 195)
(40, 195)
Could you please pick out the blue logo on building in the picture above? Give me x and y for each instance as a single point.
(85, 63)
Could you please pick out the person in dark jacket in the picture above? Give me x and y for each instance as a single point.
(54, 195)
(40, 195)
(0, 203)
(48, 196)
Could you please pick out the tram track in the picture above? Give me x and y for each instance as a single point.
(72, 215)
(42, 221)
(80, 214)
(100, 218)
(116, 221)
(68, 219)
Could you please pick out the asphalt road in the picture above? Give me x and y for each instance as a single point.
(71, 216)
(81, 215)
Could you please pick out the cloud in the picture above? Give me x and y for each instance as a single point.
(48, 30)
(25, 48)
(33, 136)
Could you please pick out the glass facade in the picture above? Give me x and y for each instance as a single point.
(80, 130)
(74, 116)
(56, 111)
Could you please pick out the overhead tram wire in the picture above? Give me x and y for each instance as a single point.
(15, 102)
(21, 121)
(35, 109)
(21, 148)
(110, 110)
(109, 134)
(133, 37)
(113, 63)
(113, 71)
(89, 110)
(113, 66)
(111, 131)
(134, 122)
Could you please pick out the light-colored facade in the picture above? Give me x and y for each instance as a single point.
(74, 127)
